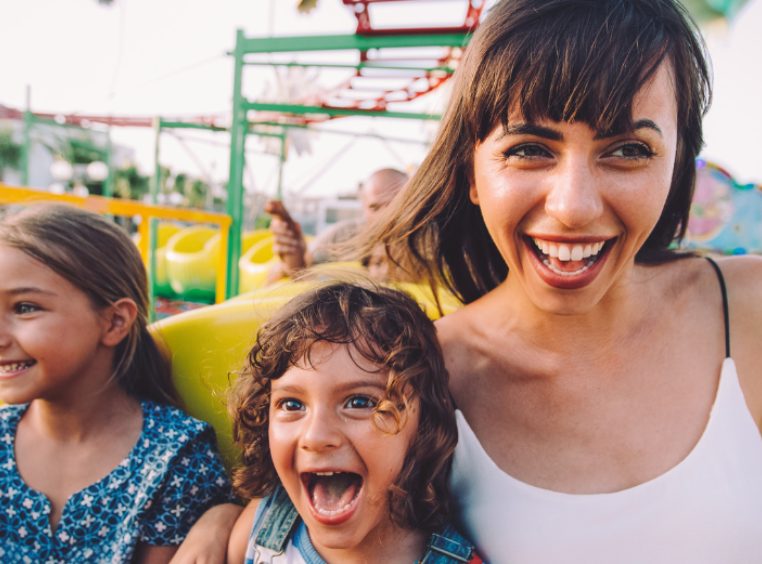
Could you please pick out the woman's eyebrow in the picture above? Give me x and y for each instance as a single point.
(640, 124)
(522, 128)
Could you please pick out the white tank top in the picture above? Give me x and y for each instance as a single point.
(707, 509)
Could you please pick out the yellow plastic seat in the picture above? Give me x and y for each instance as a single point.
(164, 233)
(191, 255)
(254, 264)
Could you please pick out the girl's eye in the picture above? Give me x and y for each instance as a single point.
(632, 151)
(527, 151)
(23, 308)
(290, 404)
(360, 402)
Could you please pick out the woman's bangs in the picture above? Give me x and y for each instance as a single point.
(581, 71)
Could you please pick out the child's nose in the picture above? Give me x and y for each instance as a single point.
(322, 430)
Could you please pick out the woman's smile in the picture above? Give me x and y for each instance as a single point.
(569, 207)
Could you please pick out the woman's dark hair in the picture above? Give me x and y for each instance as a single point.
(97, 257)
(391, 332)
(564, 60)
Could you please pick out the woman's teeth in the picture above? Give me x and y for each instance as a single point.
(566, 252)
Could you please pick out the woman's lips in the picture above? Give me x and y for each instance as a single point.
(568, 265)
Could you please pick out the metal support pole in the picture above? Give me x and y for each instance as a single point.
(238, 129)
(153, 224)
(26, 145)
(108, 185)
(281, 161)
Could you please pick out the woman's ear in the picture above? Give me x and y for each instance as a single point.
(118, 320)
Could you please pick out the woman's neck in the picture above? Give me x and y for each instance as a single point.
(624, 308)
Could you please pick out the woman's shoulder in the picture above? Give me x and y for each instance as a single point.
(743, 280)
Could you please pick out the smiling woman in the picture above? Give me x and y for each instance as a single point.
(559, 182)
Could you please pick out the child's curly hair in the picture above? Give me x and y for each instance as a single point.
(388, 329)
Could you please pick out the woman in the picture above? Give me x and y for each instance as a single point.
(601, 418)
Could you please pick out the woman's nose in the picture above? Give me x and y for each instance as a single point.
(575, 198)
(322, 430)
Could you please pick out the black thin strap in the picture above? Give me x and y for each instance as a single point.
(725, 314)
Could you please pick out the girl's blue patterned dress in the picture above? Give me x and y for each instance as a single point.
(171, 476)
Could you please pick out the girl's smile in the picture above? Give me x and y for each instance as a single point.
(50, 334)
(336, 456)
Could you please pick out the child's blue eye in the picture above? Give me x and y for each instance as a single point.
(290, 404)
(360, 402)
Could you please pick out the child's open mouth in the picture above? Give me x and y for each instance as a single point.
(332, 494)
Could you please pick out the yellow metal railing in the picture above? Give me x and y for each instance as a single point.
(130, 208)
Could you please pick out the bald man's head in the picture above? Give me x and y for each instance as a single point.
(379, 189)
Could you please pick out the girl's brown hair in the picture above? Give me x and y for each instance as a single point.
(97, 257)
(566, 60)
(390, 331)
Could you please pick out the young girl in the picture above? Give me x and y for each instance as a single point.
(96, 462)
(347, 428)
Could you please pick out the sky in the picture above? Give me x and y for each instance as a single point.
(168, 57)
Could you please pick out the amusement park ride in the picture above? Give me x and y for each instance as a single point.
(209, 344)
(415, 61)
(389, 67)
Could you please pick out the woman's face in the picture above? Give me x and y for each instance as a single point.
(569, 207)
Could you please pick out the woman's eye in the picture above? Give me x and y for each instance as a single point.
(361, 402)
(290, 404)
(23, 308)
(632, 151)
(527, 151)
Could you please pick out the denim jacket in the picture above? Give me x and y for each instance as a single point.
(278, 523)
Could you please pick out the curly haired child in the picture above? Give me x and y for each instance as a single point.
(347, 430)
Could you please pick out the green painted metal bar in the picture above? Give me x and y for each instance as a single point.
(281, 161)
(108, 185)
(348, 42)
(188, 125)
(235, 177)
(153, 226)
(302, 110)
(26, 145)
(322, 131)
(361, 66)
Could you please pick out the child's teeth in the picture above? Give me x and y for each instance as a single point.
(13, 366)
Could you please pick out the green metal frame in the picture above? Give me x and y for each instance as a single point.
(240, 125)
